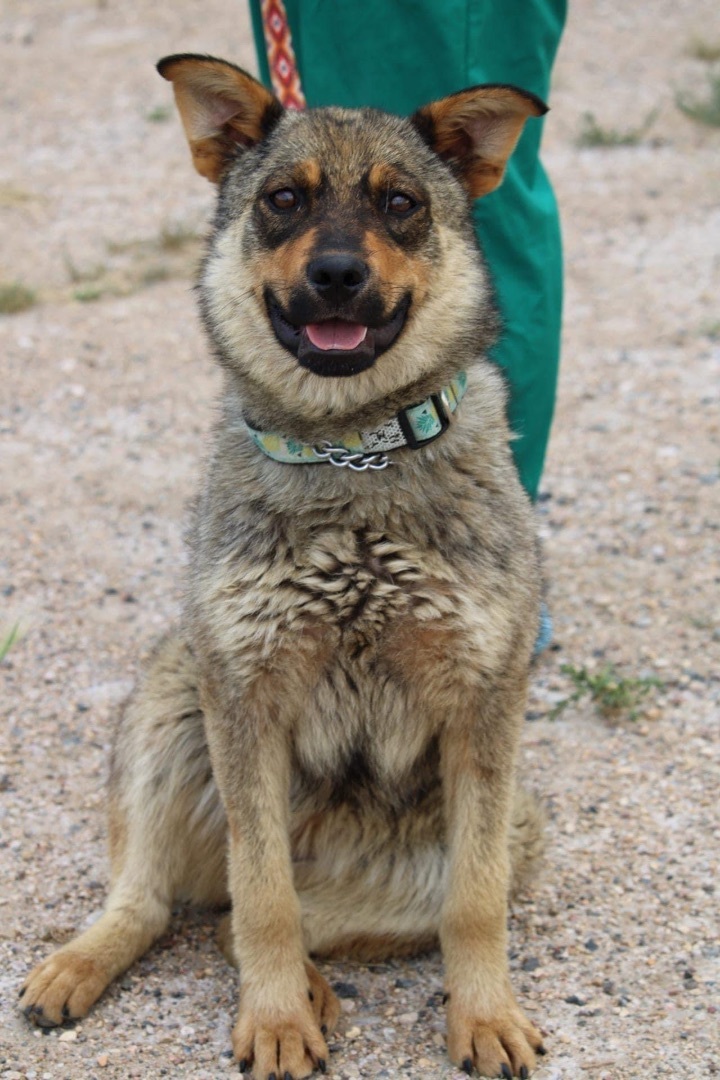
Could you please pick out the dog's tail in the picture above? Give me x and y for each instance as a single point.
(527, 839)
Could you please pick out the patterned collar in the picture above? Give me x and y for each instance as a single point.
(413, 427)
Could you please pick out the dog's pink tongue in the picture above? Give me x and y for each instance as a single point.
(336, 334)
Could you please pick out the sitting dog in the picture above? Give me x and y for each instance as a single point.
(328, 743)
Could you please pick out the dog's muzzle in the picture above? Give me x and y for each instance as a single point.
(337, 346)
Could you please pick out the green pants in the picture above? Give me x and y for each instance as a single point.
(398, 55)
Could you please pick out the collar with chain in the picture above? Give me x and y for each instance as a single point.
(413, 427)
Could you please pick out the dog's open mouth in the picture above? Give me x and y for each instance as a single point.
(336, 347)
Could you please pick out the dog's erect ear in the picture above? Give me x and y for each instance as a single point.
(476, 130)
(221, 107)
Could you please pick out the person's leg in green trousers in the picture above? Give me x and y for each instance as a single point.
(400, 54)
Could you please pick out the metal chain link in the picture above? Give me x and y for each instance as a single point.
(358, 461)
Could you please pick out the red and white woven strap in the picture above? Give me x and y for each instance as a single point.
(281, 57)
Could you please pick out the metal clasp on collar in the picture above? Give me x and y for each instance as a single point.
(358, 461)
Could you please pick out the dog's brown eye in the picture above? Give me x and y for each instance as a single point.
(399, 203)
(284, 199)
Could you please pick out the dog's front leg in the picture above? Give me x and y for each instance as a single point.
(487, 1030)
(278, 1026)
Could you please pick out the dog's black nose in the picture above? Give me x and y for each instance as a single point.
(337, 277)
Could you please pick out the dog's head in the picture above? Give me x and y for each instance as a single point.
(343, 267)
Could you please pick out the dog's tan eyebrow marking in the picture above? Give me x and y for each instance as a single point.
(306, 175)
(311, 172)
(383, 178)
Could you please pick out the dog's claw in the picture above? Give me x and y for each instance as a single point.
(541, 1051)
(524, 1072)
(242, 1065)
(505, 1072)
(322, 1064)
(467, 1066)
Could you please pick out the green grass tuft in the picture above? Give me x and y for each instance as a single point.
(152, 274)
(87, 294)
(711, 329)
(80, 275)
(8, 640)
(159, 114)
(706, 111)
(15, 297)
(176, 237)
(593, 134)
(707, 51)
(613, 694)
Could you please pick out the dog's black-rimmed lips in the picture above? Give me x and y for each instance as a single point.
(336, 362)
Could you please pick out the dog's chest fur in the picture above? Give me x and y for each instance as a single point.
(374, 595)
(368, 625)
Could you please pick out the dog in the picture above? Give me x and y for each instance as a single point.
(328, 742)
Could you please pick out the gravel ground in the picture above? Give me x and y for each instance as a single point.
(107, 395)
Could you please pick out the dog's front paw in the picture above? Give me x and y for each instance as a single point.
(503, 1044)
(286, 1045)
(63, 987)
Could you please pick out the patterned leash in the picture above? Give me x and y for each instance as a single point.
(281, 56)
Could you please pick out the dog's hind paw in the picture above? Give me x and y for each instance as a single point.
(62, 987)
(503, 1046)
(324, 1002)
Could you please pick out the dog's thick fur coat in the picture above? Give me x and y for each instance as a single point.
(329, 741)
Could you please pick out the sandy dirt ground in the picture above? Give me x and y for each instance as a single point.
(107, 394)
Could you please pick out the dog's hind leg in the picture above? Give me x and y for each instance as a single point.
(167, 840)
(372, 888)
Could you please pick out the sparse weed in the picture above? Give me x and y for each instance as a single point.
(8, 640)
(711, 329)
(87, 294)
(138, 263)
(81, 274)
(613, 694)
(122, 247)
(152, 274)
(592, 134)
(705, 111)
(176, 237)
(707, 51)
(159, 114)
(15, 297)
(11, 196)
